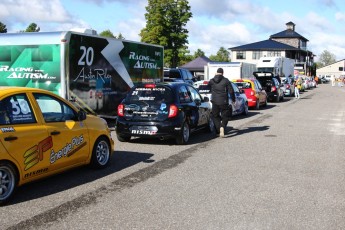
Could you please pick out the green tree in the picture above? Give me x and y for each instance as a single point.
(32, 28)
(199, 53)
(3, 28)
(165, 25)
(221, 56)
(326, 58)
(107, 33)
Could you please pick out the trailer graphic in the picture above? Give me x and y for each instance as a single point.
(95, 72)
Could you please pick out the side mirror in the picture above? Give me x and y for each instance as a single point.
(242, 91)
(197, 102)
(81, 115)
(206, 99)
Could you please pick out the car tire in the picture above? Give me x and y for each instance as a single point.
(210, 126)
(183, 137)
(123, 138)
(245, 109)
(277, 98)
(8, 181)
(257, 105)
(101, 153)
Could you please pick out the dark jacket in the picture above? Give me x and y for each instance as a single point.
(220, 88)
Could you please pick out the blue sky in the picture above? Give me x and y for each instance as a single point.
(215, 23)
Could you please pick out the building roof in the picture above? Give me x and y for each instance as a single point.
(288, 34)
(197, 64)
(264, 45)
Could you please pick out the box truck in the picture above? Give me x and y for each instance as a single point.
(232, 70)
(279, 66)
(94, 72)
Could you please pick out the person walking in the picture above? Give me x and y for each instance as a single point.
(298, 84)
(221, 89)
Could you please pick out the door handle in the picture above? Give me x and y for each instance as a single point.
(11, 138)
(55, 133)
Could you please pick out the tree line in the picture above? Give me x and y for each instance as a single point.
(166, 22)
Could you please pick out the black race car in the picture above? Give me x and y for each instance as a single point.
(164, 110)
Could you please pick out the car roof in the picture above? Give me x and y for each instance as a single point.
(13, 89)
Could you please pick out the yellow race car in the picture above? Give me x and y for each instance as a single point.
(42, 134)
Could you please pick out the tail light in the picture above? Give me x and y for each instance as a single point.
(150, 85)
(172, 111)
(288, 86)
(273, 89)
(120, 110)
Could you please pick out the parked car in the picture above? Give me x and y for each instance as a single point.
(255, 94)
(178, 74)
(288, 87)
(241, 102)
(164, 110)
(42, 134)
(271, 85)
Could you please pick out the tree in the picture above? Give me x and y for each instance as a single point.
(221, 56)
(3, 28)
(120, 36)
(32, 28)
(107, 33)
(326, 58)
(199, 53)
(165, 25)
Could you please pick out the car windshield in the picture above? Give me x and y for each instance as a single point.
(150, 95)
(243, 85)
(204, 89)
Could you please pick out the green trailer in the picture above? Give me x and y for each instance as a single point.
(94, 72)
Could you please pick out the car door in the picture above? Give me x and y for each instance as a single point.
(202, 107)
(262, 93)
(24, 136)
(188, 106)
(237, 105)
(70, 137)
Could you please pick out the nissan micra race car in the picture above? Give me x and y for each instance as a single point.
(42, 134)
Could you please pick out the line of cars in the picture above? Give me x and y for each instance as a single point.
(175, 109)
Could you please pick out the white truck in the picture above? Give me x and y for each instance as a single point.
(279, 66)
(93, 71)
(232, 70)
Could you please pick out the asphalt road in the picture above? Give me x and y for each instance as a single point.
(282, 167)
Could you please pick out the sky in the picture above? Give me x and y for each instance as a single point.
(214, 24)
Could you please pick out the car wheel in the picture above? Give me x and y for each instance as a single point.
(8, 181)
(245, 109)
(257, 105)
(183, 136)
(210, 126)
(123, 138)
(101, 153)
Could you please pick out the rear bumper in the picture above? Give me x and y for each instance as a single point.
(164, 129)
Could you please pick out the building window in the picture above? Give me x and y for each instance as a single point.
(257, 55)
(274, 54)
(240, 55)
(341, 68)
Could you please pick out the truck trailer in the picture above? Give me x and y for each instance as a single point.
(94, 72)
(232, 70)
(279, 66)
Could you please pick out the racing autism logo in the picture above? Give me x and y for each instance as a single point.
(25, 73)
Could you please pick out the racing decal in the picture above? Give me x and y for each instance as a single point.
(68, 150)
(35, 154)
(144, 132)
(34, 173)
(7, 130)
